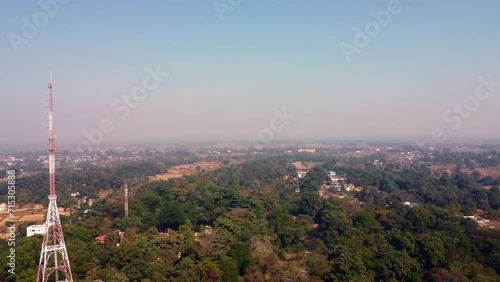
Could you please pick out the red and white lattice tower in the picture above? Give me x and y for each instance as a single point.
(53, 257)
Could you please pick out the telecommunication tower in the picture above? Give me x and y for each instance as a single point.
(54, 256)
(126, 200)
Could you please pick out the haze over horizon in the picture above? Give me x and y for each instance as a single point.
(227, 77)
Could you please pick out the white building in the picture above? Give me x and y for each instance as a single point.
(301, 174)
(334, 177)
(35, 229)
(482, 222)
(411, 205)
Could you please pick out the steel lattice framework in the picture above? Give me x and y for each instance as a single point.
(54, 256)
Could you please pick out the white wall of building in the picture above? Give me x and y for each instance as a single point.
(35, 229)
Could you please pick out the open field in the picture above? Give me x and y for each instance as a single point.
(490, 171)
(469, 149)
(186, 169)
(495, 223)
(305, 165)
(104, 192)
(28, 213)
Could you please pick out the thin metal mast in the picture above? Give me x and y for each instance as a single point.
(54, 256)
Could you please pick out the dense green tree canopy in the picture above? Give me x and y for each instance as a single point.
(246, 223)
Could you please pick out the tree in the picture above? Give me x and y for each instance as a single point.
(112, 238)
(242, 255)
(431, 250)
(174, 214)
(365, 220)
(317, 266)
(186, 271)
(229, 270)
(392, 265)
(347, 265)
(210, 272)
(81, 256)
(309, 203)
(422, 219)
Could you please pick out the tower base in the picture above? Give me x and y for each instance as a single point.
(54, 256)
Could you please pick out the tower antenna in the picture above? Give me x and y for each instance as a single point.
(54, 256)
(126, 200)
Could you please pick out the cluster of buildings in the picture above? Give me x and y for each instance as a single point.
(305, 150)
(80, 199)
(336, 183)
(102, 238)
(32, 160)
(482, 222)
(10, 161)
(410, 204)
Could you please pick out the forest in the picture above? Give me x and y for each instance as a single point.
(245, 222)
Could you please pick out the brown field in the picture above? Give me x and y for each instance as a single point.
(27, 208)
(305, 165)
(491, 171)
(33, 217)
(104, 192)
(28, 213)
(186, 169)
(467, 149)
(495, 223)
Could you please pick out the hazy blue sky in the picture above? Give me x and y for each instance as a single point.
(227, 75)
